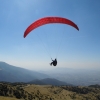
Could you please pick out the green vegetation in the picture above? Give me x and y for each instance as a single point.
(13, 90)
(22, 91)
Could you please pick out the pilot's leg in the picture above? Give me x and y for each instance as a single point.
(51, 63)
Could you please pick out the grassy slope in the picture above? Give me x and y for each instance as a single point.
(48, 92)
(56, 93)
(7, 98)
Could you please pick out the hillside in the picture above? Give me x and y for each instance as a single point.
(7, 98)
(9, 91)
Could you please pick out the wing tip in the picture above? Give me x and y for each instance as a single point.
(24, 35)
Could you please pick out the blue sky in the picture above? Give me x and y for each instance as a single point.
(74, 49)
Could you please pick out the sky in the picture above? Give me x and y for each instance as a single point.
(72, 48)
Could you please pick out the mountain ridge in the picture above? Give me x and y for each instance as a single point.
(49, 81)
(12, 73)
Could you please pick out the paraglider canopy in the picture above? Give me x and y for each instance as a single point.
(48, 20)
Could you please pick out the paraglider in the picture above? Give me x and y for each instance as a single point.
(49, 20)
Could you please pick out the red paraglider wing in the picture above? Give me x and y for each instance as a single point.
(47, 20)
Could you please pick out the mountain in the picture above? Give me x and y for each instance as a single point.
(12, 73)
(49, 81)
(83, 77)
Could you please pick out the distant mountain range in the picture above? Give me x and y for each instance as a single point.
(83, 77)
(57, 76)
(9, 73)
(49, 81)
